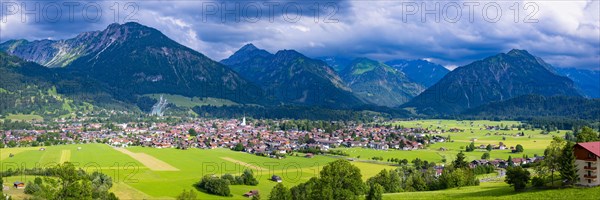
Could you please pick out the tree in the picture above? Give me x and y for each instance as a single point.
(303, 191)
(390, 181)
(32, 188)
(230, 178)
(460, 162)
(248, 178)
(519, 148)
(471, 147)
(238, 147)
(280, 192)
(511, 163)
(214, 185)
(72, 182)
(485, 156)
(587, 134)
(517, 177)
(339, 180)
(552, 156)
(568, 169)
(488, 147)
(185, 195)
(375, 193)
(193, 133)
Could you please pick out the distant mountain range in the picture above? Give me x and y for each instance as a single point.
(378, 83)
(338, 63)
(290, 77)
(420, 71)
(123, 64)
(588, 81)
(496, 78)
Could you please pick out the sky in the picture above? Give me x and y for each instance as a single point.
(451, 33)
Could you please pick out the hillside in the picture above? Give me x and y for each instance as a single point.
(496, 78)
(379, 84)
(24, 93)
(529, 106)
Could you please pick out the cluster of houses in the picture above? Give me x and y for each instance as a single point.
(500, 163)
(257, 138)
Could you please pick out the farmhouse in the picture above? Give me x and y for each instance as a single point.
(19, 185)
(251, 193)
(588, 161)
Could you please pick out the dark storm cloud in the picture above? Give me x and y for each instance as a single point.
(565, 34)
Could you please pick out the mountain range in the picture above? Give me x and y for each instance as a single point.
(379, 84)
(496, 78)
(290, 77)
(124, 63)
(131, 59)
(588, 81)
(420, 71)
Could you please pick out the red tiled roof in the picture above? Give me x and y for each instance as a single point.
(593, 147)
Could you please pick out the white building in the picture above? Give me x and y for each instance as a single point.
(588, 161)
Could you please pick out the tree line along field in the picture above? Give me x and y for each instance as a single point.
(133, 179)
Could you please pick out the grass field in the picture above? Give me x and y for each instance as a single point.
(533, 142)
(22, 117)
(499, 190)
(145, 177)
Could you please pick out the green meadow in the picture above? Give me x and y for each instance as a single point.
(499, 190)
(24, 117)
(132, 179)
(533, 142)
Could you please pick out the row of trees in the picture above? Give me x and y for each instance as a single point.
(338, 180)
(66, 182)
(342, 180)
(558, 157)
(213, 184)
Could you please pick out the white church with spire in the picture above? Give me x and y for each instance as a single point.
(243, 121)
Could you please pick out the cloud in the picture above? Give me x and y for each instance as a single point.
(565, 34)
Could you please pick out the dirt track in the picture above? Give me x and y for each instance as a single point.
(243, 163)
(152, 163)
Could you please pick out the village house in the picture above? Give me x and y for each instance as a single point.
(588, 161)
(251, 193)
(19, 185)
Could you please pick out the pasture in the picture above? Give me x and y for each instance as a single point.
(499, 190)
(24, 117)
(533, 141)
(151, 173)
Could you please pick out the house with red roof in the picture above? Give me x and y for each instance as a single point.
(588, 161)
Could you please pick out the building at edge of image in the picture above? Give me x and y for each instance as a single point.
(587, 157)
